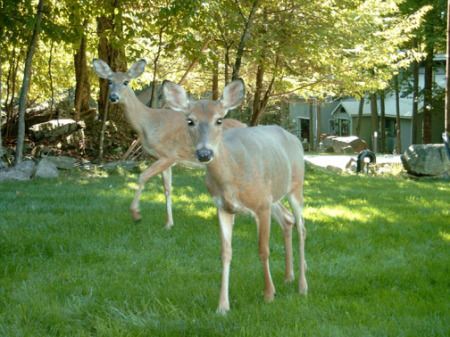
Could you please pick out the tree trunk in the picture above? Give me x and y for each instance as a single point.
(227, 64)
(319, 124)
(397, 110)
(311, 127)
(50, 77)
(155, 66)
(447, 89)
(383, 123)
(83, 85)
(11, 87)
(215, 80)
(116, 60)
(428, 97)
(26, 84)
(374, 113)
(1, 116)
(415, 108)
(244, 38)
(360, 115)
(257, 96)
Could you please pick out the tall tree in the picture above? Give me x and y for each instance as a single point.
(83, 85)
(111, 49)
(397, 114)
(375, 124)
(26, 83)
(360, 114)
(447, 69)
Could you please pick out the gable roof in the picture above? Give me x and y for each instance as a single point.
(351, 106)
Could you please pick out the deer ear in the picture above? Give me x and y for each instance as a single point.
(175, 96)
(137, 68)
(102, 68)
(233, 95)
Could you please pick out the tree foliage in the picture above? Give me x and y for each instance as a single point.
(308, 48)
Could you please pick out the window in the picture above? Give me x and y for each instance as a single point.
(340, 127)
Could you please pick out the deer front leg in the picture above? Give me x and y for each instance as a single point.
(157, 167)
(263, 220)
(226, 221)
(167, 182)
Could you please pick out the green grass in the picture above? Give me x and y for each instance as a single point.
(73, 263)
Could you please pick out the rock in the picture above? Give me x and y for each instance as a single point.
(121, 166)
(334, 169)
(53, 128)
(75, 138)
(22, 172)
(350, 144)
(27, 167)
(426, 159)
(62, 162)
(46, 169)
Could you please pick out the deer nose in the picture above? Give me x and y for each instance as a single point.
(204, 155)
(114, 98)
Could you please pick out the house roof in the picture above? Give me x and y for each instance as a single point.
(351, 106)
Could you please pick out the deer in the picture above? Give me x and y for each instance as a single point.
(163, 132)
(247, 171)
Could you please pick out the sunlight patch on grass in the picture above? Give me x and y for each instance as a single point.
(325, 213)
(445, 236)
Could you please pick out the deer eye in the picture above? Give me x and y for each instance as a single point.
(125, 82)
(109, 82)
(219, 121)
(190, 122)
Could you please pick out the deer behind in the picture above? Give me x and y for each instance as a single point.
(248, 171)
(163, 133)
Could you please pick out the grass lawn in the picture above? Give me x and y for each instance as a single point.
(73, 263)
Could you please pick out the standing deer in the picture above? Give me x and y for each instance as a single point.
(248, 171)
(163, 133)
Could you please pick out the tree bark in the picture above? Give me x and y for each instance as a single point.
(397, 110)
(383, 123)
(83, 85)
(115, 59)
(447, 89)
(415, 108)
(360, 115)
(428, 97)
(319, 124)
(215, 80)
(242, 43)
(26, 84)
(374, 113)
(311, 127)
(1, 116)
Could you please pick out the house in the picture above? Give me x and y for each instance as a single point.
(340, 117)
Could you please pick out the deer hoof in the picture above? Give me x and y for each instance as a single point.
(168, 226)
(136, 215)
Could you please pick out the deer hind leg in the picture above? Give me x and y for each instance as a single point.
(296, 202)
(167, 182)
(157, 167)
(226, 221)
(286, 220)
(263, 222)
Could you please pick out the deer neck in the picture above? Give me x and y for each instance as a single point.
(135, 110)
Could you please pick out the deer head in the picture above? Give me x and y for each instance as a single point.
(204, 118)
(118, 81)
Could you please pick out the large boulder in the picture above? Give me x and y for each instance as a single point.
(21, 172)
(426, 160)
(54, 128)
(62, 162)
(46, 169)
(350, 144)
